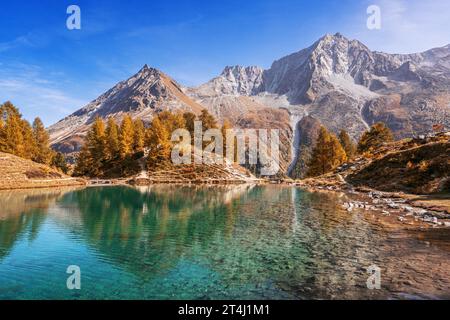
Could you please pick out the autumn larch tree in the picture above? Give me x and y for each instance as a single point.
(347, 144)
(126, 137)
(43, 154)
(158, 142)
(139, 135)
(374, 138)
(189, 119)
(327, 154)
(208, 120)
(225, 127)
(112, 139)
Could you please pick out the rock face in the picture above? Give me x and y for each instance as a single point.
(345, 85)
(339, 82)
(234, 80)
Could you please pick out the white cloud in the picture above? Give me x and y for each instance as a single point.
(35, 95)
(407, 26)
(18, 42)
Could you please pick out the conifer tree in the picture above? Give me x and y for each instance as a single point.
(189, 119)
(29, 141)
(172, 121)
(96, 142)
(158, 142)
(14, 136)
(347, 144)
(126, 137)
(225, 127)
(2, 134)
(374, 138)
(83, 165)
(208, 120)
(112, 139)
(139, 135)
(327, 154)
(43, 154)
(59, 162)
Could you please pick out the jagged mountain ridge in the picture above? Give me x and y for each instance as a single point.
(147, 92)
(339, 82)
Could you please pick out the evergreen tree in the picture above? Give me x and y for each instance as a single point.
(327, 154)
(59, 162)
(208, 120)
(112, 139)
(347, 144)
(189, 119)
(126, 137)
(84, 161)
(374, 138)
(139, 135)
(43, 154)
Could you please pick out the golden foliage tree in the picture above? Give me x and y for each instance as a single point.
(43, 153)
(158, 142)
(225, 127)
(189, 120)
(172, 121)
(112, 139)
(18, 137)
(126, 137)
(327, 154)
(374, 138)
(347, 144)
(96, 141)
(208, 120)
(139, 135)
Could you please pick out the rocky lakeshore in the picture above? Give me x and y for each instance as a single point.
(408, 209)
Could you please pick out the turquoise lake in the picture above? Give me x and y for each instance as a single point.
(230, 242)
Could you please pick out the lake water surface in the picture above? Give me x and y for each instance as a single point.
(234, 242)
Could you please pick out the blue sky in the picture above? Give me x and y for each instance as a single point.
(50, 71)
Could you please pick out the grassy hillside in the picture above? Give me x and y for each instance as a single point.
(19, 173)
(423, 169)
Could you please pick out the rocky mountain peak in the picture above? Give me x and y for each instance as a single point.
(147, 92)
(234, 80)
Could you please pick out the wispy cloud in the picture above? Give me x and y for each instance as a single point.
(35, 94)
(18, 42)
(408, 26)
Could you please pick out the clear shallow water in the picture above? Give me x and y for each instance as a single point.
(234, 242)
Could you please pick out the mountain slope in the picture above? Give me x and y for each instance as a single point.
(344, 84)
(19, 173)
(338, 82)
(144, 94)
